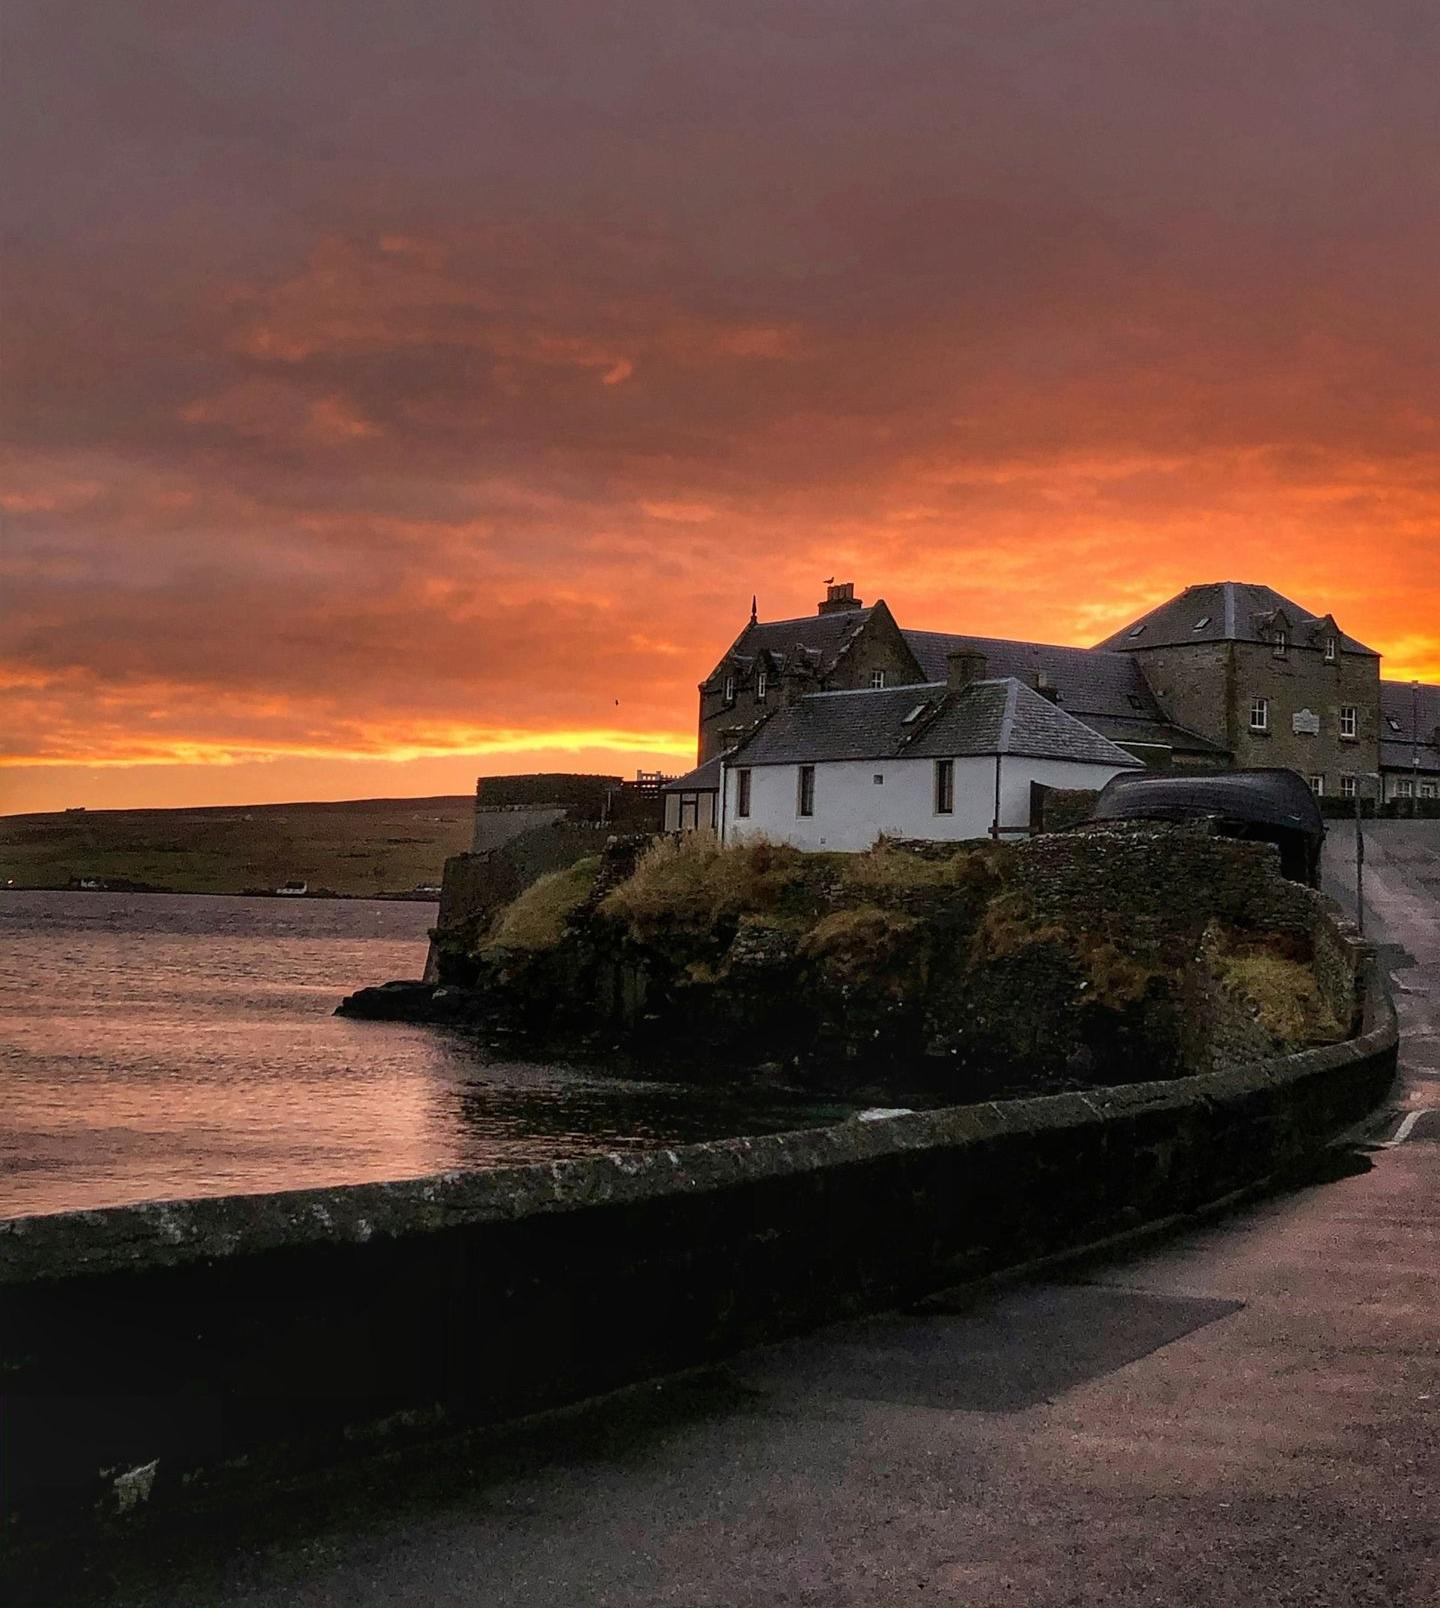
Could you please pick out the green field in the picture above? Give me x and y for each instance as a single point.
(366, 847)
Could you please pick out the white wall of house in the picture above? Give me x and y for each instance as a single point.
(852, 809)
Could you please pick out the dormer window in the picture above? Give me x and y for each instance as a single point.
(762, 684)
(1281, 644)
(1332, 647)
(729, 689)
(877, 680)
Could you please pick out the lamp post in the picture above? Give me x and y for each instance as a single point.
(1360, 779)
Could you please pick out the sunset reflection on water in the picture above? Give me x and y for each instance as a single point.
(155, 1046)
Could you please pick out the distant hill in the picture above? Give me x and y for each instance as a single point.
(364, 846)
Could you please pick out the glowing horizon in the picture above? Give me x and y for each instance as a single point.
(403, 443)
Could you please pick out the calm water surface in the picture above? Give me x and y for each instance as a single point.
(160, 1045)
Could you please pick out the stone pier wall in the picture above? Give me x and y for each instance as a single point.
(159, 1354)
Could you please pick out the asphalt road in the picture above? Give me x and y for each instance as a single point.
(1245, 1415)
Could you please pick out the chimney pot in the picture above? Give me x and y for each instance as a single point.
(964, 665)
(840, 598)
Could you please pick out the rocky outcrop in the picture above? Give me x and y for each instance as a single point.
(950, 972)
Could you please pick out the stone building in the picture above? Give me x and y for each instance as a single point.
(1225, 674)
(1269, 681)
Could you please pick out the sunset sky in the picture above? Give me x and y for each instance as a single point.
(395, 392)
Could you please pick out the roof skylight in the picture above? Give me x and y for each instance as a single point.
(1201, 623)
(1136, 632)
(915, 714)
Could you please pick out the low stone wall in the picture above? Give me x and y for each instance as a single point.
(154, 1353)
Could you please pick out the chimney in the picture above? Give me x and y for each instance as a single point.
(796, 678)
(964, 665)
(840, 598)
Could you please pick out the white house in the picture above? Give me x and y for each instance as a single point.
(836, 770)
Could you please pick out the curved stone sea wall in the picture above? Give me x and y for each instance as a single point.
(158, 1353)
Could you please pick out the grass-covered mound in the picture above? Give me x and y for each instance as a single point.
(1095, 956)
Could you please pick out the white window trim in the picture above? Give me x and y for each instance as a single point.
(1260, 707)
(728, 691)
(762, 685)
(1349, 786)
(1332, 650)
(1349, 720)
(877, 681)
(1317, 786)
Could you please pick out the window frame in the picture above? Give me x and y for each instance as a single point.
(727, 692)
(1280, 645)
(877, 681)
(805, 791)
(1332, 650)
(1349, 722)
(742, 793)
(762, 685)
(1349, 785)
(944, 799)
(1317, 785)
(1261, 707)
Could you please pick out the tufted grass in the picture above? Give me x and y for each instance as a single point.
(537, 919)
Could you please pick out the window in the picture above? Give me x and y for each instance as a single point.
(762, 684)
(1136, 632)
(1281, 644)
(1349, 720)
(1259, 714)
(742, 792)
(729, 689)
(1331, 649)
(805, 791)
(1392, 723)
(1405, 788)
(1347, 787)
(1201, 623)
(877, 679)
(879, 778)
(944, 786)
(1317, 786)
(1429, 790)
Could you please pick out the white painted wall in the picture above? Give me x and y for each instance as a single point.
(852, 809)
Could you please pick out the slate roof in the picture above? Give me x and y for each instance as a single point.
(703, 779)
(1089, 682)
(1225, 611)
(1108, 691)
(822, 637)
(987, 717)
(1400, 704)
(1153, 733)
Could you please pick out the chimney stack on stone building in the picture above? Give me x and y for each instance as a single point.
(840, 598)
(964, 665)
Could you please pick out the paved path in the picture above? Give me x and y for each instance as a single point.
(1245, 1416)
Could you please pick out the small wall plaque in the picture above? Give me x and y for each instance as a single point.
(1305, 723)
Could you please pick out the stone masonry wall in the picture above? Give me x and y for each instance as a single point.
(161, 1354)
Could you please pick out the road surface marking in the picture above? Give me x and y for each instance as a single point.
(1402, 1133)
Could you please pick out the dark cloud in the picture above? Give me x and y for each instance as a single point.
(377, 370)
